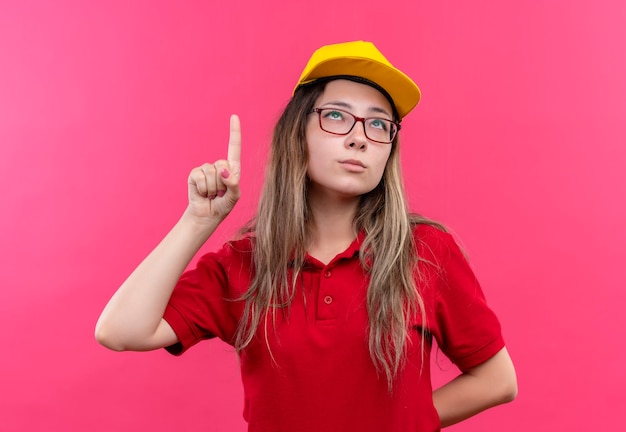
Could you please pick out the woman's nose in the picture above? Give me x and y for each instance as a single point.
(357, 138)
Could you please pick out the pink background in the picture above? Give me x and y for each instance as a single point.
(518, 146)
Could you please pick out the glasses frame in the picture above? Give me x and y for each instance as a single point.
(357, 119)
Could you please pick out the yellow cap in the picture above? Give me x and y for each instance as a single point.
(362, 59)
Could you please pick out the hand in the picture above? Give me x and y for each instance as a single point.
(214, 187)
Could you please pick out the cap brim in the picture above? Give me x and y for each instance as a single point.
(401, 88)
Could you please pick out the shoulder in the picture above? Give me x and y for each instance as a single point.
(429, 232)
(433, 240)
(244, 245)
(234, 253)
(229, 267)
(438, 248)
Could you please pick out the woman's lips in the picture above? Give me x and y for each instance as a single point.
(353, 165)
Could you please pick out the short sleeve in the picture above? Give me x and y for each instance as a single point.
(204, 302)
(466, 329)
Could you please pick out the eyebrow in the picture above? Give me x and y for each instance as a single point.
(346, 105)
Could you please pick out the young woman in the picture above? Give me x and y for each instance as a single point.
(334, 292)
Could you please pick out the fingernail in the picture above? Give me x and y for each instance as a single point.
(220, 193)
(225, 173)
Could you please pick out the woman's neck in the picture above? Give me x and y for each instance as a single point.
(332, 229)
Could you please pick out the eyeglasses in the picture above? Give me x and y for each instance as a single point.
(340, 122)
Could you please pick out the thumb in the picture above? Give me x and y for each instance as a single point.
(230, 177)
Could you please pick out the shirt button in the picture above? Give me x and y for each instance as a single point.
(328, 300)
(327, 274)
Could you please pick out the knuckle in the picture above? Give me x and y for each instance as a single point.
(220, 164)
(208, 168)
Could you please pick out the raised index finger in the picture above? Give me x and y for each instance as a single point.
(234, 141)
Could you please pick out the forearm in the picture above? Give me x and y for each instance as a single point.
(483, 387)
(131, 318)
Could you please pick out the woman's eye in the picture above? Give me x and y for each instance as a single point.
(334, 115)
(379, 124)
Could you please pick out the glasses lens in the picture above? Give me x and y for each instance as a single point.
(336, 121)
(341, 122)
(381, 130)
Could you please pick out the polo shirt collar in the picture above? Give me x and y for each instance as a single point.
(351, 251)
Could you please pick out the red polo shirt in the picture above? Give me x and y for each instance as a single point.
(323, 378)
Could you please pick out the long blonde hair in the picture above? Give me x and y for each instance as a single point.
(281, 232)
